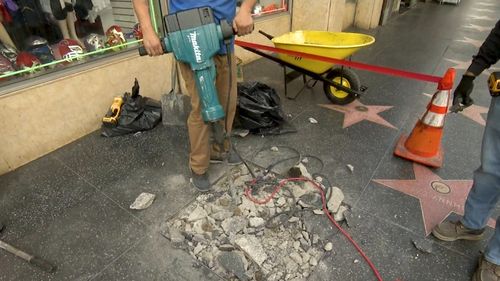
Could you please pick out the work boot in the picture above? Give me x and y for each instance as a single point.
(486, 271)
(201, 182)
(232, 159)
(451, 231)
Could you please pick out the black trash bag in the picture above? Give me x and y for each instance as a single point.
(137, 113)
(259, 110)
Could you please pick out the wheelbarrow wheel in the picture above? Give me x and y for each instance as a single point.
(346, 78)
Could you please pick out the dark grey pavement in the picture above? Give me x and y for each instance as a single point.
(72, 206)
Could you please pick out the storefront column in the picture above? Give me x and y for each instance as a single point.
(368, 13)
(310, 15)
(337, 12)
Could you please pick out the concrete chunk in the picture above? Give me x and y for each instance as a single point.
(252, 247)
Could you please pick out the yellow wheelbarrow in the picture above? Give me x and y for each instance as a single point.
(341, 85)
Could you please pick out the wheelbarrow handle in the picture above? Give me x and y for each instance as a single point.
(269, 36)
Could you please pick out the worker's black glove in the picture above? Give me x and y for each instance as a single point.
(461, 96)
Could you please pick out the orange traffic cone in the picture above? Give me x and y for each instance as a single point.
(424, 143)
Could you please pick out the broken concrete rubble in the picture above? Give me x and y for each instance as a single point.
(423, 245)
(256, 222)
(336, 198)
(198, 214)
(328, 247)
(235, 237)
(339, 215)
(252, 247)
(296, 257)
(143, 201)
(318, 212)
(233, 263)
(303, 171)
(176, 235)
(233, 225)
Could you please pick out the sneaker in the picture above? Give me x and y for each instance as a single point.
(201, 182)
(451, 231)
(232, 159)
(486, 271)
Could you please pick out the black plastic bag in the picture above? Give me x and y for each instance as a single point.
(137, 114)
(259, 110)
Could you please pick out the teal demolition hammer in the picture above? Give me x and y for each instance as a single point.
(194, 37)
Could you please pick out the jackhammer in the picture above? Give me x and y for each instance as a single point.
(194, 37)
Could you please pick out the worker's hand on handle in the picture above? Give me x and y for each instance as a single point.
(243, 22)
(461, 96)
(150, 39)
(152, 44)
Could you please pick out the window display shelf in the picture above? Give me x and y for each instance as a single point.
(268, 7)
(38, 37)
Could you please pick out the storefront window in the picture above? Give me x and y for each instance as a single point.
(42, 36)
(265, 7)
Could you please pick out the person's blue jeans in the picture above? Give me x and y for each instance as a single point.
(485, 191)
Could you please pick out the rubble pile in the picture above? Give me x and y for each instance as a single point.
(242, 240)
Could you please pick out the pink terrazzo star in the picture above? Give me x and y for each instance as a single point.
(476, 17)
(475, 43)
(356, 112)
(482, 10)
(474, 112)
(463, 65)
(487, 4)
(478, 27)
(438, 198)
(458, 64)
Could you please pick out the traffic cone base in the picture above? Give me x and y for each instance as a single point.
(435, 161)
(424, 143)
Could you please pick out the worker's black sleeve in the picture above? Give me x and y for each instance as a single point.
(488, 54)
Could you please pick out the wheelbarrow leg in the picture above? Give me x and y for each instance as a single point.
(289, 78)
(306, 86)
(285, 81)
(308, 83)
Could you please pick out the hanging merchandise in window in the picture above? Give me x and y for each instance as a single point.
(39, 36)
(264, 7)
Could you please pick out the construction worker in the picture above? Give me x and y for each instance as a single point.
(201, 152)
(485, 191)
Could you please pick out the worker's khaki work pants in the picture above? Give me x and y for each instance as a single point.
(199, 131)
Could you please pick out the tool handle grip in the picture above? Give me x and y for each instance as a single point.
(143, 52)
(269, 36)
(43, 264)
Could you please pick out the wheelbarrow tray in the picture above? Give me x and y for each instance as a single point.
(338, 45)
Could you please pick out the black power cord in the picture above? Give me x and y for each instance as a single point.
(228, 103)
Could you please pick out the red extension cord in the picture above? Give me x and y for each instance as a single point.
(248, 194)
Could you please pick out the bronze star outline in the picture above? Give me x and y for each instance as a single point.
(435, 204)
(356, 112)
